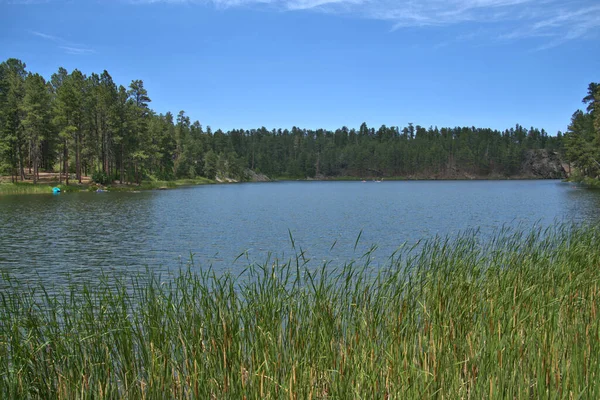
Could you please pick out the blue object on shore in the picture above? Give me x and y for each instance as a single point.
(55, 190)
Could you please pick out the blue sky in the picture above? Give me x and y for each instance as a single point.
(325, 63)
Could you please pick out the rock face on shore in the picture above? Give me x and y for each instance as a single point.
(256, 177)
(543, 164)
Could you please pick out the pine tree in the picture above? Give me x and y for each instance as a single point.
(36, 124)
(12, 92)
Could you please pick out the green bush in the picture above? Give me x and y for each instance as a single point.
(100, 177)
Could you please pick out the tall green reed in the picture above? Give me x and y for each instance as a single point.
(510, 316)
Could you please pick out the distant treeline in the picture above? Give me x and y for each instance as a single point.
(89, 125)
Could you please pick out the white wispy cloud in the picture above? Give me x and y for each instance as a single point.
(23, 2)
(559, 24)
(46, 36)
(65, 45)
(77, 50)
(556, 20)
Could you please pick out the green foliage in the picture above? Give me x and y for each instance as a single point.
(100, 177)
(87, 123)
(12, 92)
(512, 316)
(210, 164)
(36, 123)
(582, 140)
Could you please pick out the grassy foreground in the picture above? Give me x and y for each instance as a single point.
(514, 317)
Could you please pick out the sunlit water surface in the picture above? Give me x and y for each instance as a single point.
(84, 234)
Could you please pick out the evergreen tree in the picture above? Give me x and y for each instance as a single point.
(12, 92)
(36, 123)
(582, 140)
(139, 114)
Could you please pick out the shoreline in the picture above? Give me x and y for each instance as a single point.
(22, 188)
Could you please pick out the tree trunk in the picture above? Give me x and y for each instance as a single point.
(21, 166)
(105, 150)
(66, 163)
(77, 159)
(122, 176)
(80, 167)
(106, 165)
(30, 156)
(60, 170)
(35, 164)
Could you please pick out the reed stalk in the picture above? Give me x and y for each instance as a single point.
(511, 316)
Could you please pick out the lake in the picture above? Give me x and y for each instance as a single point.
(82, 234)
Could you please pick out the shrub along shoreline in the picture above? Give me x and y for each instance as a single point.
(511, 316)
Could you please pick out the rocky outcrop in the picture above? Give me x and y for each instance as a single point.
(543, 164)
(256, 177)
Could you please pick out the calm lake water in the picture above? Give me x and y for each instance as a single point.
(82, 234)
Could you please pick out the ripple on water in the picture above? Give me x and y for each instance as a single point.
(84, 234)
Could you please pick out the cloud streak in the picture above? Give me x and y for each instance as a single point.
(77, 50)
(66, 46)
(558, 21)
(23, 2)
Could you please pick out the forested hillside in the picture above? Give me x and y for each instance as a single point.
(90, 125)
